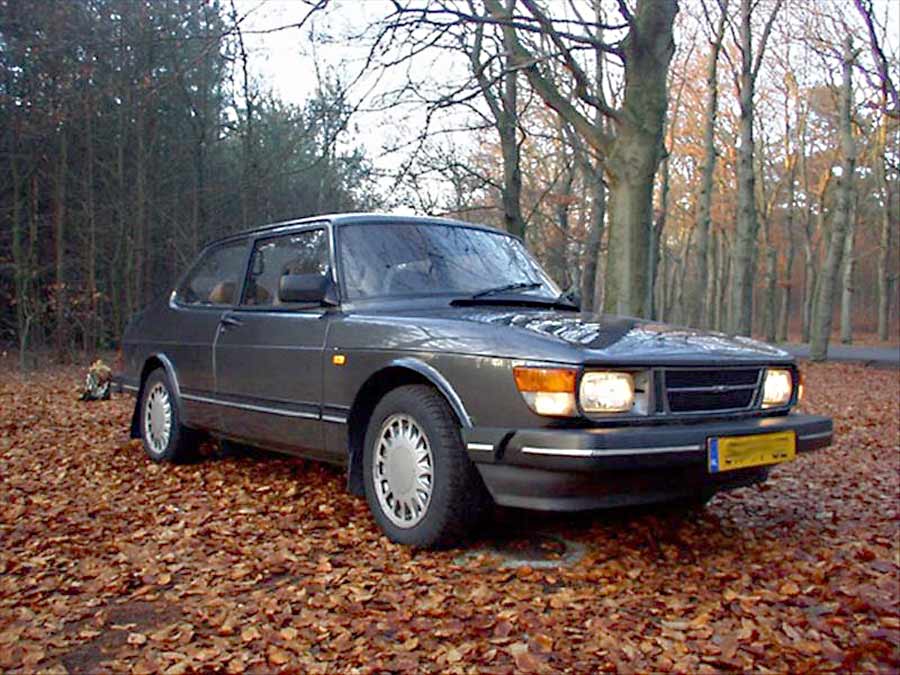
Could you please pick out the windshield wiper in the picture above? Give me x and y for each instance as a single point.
(521, 285)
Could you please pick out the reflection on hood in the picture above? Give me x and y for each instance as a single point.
(622, 336)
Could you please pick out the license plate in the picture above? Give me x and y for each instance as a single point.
(726, 453)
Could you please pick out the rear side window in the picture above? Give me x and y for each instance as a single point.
(301, 253)
(216, 278)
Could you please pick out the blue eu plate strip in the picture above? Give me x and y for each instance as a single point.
(714, 455)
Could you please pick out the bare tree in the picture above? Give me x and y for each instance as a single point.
(847, 275)
(633, 148)
(841, 224)
(699, 310)
(502, 98)
(888, 90)
(885, 231)
(742, 268)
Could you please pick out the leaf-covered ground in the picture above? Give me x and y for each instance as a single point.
(260, 563)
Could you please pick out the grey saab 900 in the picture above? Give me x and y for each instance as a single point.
(441, 366)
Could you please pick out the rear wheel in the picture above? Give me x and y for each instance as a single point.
(420, 485)
(163, 436)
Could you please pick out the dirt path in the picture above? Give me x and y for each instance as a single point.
(882, 356)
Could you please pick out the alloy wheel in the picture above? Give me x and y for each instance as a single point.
(403, 470)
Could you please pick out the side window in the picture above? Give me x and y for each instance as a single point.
(301, 253)
(216, 278)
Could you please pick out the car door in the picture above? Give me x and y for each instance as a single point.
(209, 290)
(269, 354)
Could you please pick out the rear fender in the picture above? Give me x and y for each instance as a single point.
(153, 362)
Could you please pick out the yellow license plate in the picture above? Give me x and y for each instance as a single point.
(726, 453)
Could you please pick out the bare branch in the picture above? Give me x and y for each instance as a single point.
(888, 90)
(524, 60)
(761, 49)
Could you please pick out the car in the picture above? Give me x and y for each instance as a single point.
(446, 371)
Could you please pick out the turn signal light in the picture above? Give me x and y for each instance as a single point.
(547, 391)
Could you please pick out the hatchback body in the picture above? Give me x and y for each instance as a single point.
(441, 366)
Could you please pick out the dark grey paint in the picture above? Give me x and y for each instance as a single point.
(282, 360)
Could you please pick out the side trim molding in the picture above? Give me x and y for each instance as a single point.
(334, 418)
(480, 447)
(612, 452)
(264, 409)
(248, 406)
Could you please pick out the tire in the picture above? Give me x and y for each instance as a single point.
(457, 499)
(158, 412)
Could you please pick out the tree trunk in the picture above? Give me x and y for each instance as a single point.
(841, 223)
(809, 289)
(722, 284)
(743, 265)
(635, 156)
(630, 210)
(884, 240)
(22, 268)
(680, 306)
(32, 256)
(710, 295)
(140, 207)
(59, 236)
(769, 287)
(742, 273)
(593, 176)
(784, 309)
(92, 328)
(698, 315)
(657, 225)
(509, 142)
(811, 276)
(505, 111)
(847, 289)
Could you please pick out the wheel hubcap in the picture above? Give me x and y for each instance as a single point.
(158, 418)
(403, 470)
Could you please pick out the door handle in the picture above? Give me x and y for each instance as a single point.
(226, 321)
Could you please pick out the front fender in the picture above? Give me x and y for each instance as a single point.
(440, 382)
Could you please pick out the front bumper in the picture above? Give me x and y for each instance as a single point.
(576, 469)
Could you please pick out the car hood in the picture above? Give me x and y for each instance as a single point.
(608, 338)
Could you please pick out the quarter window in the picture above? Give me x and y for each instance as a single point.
(302, 253)
(216, 278)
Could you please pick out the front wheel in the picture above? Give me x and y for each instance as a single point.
(163, 436)
(420, 485)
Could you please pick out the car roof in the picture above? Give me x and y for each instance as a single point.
(356, 219)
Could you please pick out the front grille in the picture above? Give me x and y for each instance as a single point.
(698, 390)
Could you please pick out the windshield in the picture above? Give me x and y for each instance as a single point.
(409, 259)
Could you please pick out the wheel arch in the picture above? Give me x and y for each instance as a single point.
(398, 373)
(151, 363)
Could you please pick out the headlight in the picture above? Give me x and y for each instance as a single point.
(607, 392)
(547, 391)
(778, 387)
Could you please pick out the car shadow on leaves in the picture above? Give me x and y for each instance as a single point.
(658, 532)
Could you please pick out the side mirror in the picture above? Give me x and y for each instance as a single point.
(306, 289)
